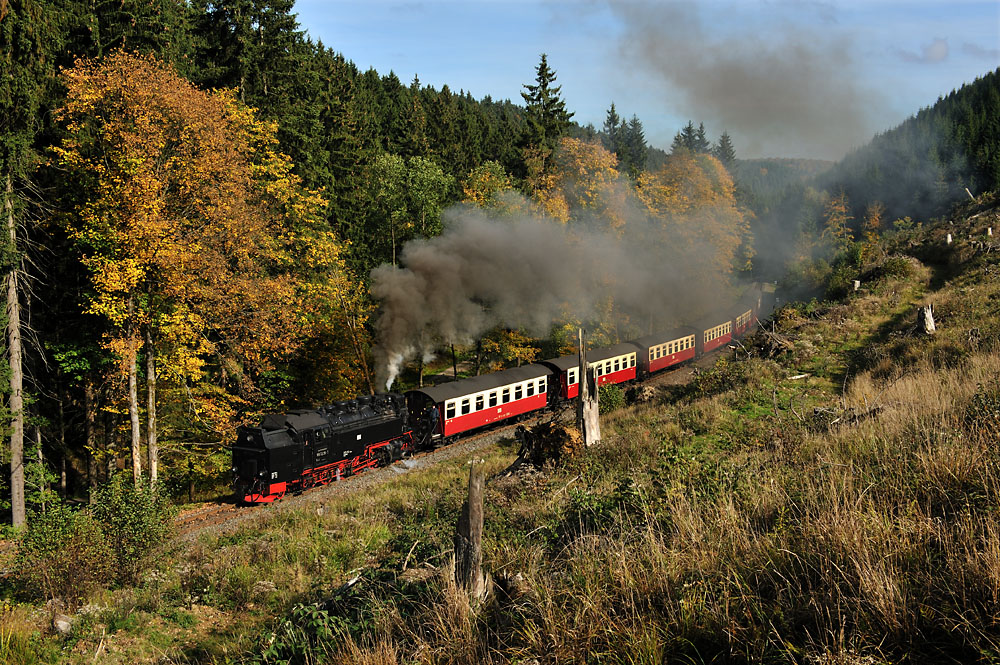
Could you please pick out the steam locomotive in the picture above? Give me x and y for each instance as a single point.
(297, 450)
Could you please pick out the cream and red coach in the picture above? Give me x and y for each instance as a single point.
(747, 311)
(664, 350)
(611, 364)
(478, 401)
(713, 333)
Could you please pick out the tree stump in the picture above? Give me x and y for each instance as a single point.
(926, 318)
(469, 540)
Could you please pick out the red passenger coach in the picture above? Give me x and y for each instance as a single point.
(713, 333)
(482, 400)
(746, 313)
(611, 364)
(662, 350)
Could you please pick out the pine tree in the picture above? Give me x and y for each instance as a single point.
(30, 36)
(635, 149)
(547, 115)
(685, 139)
(613, 126)
(724, 152)
(701, 142)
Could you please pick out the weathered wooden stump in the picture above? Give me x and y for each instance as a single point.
(926, 319)
(469, 540)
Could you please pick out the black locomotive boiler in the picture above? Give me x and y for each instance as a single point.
(293, 451)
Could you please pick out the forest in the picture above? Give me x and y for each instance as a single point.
(196, 194)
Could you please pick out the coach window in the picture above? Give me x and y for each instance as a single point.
(531, 389)
(618, 364)
(465, 406)
(506, 395)
(541, 385)
(480, 399)
(571, 376)
(517, 392)
(631, 361)
(493, 398)
(449, 410)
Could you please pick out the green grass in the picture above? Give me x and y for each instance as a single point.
(851, 516)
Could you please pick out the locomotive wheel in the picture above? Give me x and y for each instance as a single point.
(383, 456)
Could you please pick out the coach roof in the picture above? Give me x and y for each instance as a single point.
(478, 384)
(563, 363)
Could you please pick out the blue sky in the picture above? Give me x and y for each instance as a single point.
(787, 79)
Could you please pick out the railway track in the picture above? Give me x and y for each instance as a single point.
(225, 514)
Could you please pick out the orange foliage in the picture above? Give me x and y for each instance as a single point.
(693, 198)
(193, 224)
(584, 179)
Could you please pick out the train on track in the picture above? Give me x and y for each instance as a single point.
(293, 451)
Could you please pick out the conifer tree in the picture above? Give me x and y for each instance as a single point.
(701, 142)
(686, 139)
(635, 148)
(546, 110)
(724, 151)
(613, 126)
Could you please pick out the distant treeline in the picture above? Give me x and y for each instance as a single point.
(922, 166)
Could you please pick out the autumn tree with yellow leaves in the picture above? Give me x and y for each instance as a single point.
(203, 249)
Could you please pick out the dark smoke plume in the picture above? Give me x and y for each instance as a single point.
(792, 95)
(527, 273)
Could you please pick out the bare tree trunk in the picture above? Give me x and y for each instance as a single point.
(587, 419)
(63, 448)
(927, 319)
(152, 450)
(42, 485)
(355, 342)
(90, 439)
(469, 540)
(133, 406)
(454, 361)
(420, 372)
(16, 374)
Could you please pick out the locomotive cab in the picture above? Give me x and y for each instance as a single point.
(264, 462)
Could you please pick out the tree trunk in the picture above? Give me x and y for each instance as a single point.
(469, 540)
(16, 373)
(587, 419)
(356, 343)
(133, 406)
(63, 448)
(152, 450)
(90, 443)
(927, 319)
(420, 372)
(454, 361)
(43, 486)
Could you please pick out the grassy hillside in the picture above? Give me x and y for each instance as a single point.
(830, 493)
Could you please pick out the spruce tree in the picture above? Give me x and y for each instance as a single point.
(635, 148)
(701, 142)
(547, 115)
(613, 127)
(724, 152)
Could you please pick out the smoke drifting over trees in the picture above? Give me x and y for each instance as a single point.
(530, 273)
(792, 95)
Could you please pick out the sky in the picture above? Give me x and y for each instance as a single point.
(783, 78)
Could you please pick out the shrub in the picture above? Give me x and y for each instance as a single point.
(63, 554)
(136, 520)
(610, 398)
